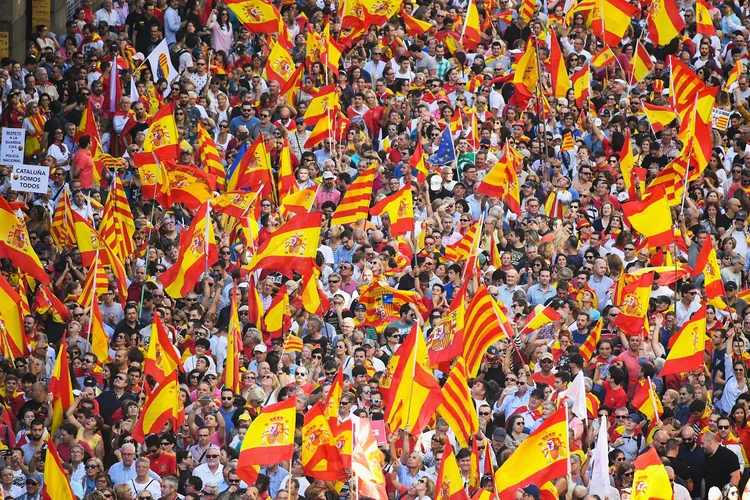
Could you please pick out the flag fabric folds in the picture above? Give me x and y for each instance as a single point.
(355, 203)
(484, 325)
(197, 252)
(449, 480)
(366, 459)
(163, 129)
(161, 406)
(634, 305)
(292, 246)
(320, 457)
(400, 209)
(650, 481)
(612, 20)
(11, 320)
(161, 357)
(61, 387)
(16, 245)
(56, 483)
(708, 264)
(651, 217)
(686, 353)
(383, 304)
(544, 455)
(256, 15)
(457, 408)
(269, 439)
(540, 316)
(658, 116)
(664, 22)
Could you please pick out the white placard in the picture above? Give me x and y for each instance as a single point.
(30, 178)
(11, 151)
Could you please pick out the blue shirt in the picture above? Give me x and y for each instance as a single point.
(535, 295)
(237, 121)
(275, 480)
(343, 255)
(120, 474)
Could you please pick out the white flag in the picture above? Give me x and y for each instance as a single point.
(599, 484)
(576, 395)
(161, 65)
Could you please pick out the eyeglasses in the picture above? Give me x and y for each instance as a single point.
(627, 474)
(723, 427)
(484, 413)
(92, 467)
(212, 456)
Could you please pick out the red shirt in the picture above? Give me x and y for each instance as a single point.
(614, 398)
(541, 379)
(164, 465)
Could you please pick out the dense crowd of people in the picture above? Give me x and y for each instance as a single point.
(565, 249)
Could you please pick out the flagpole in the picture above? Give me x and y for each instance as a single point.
(540, 106)
(93, 298)
(466, 21)
(150, 230)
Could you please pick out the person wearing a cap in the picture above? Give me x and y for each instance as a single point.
(327, 191)
(260, 352)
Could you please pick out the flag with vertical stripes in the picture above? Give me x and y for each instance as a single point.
(485, 324)
(209, 155)
(458, 408)
(117, 227)
(664, 21)
(11, 320)
(356, 202)
(61, 387)
(558, 71)
(641, 64)
(56, 483)
(703, 22)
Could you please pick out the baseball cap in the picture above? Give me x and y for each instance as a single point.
(35, 477)
(328, 175)
(492, 352)
(605, 112)
(533, 491)
(244, 284)
(260, 348)
(730, 285)
(360, 307)
(499, 434)
(242, 309)
(635, 418)
(546, 355)
(741, 215)
(368, 343)
(299, 121)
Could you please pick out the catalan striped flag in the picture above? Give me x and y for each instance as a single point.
(526, 10)
(461, 249)
(62, 222)
(117, 226)
(210, 156)
(293, 343)
(588, 348)
(484, 325)
(457, 408)
(356, 202)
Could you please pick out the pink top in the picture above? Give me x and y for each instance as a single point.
(222, 38)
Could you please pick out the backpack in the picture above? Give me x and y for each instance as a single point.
(175, 57)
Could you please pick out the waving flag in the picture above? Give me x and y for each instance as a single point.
(471, 31)
(15, 244)
(446, 152)
(602, 58)
(484, 325)
(56, 483)
(651, 217)
(161, 65)
(651, 481)
(634, 305)
(231, 371)
(686, 354)
(161, 406)
(161, 357)
(383, 304)
(457, 407)
(581, 84)
(256, 15)
(612, 20)
(664, 22)
(163, 129)
(414, 26)
(703, 22)
(540, 316)
(355, 203)
(209, 155)
(197, 252)
(61, 387)
(658, 116)
(378, 12)
(400, 209)
(450, 480)
(11, 321)
(320, 457)
(292, 246)
(707, 264)
(117, 226)
(559, 72)
(366, 458)
(641, 65)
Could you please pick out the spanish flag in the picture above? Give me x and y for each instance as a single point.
(378, 12)
(417, 162)
(252, 170)
(231, 369)
(502, 180)
(256, 15)
(703, 22)
(602, 58)
(658, 116)
(11, 320)
(734, 76)
(154, 179)
(664, 22)
(299, 202)
(383, 304)
(333, 50)
(15, 244)
(334, 396)
(46, 303)
(325, 102)
(651, 217)
(293, 245)
(61, 387)
(707, 264)
(315, 301)
(410, 390)
(278, 318)
(197, 252)
(90, 243)
(581, 80)
(161, 406)
(400, 209)
(457, 407)
(527, 74)
(558, 71)
(190, 186)
(472, 33)
(280, 65)
(356, 202)
(651, 481)
(269, 440)
(161, 357)
(646, 401)
(414, 27)
(237, 204)
(641, 65)
(97, 335)
(163, 129)
(686, 354)
(543, 456)
(612, 20)
(287, 181)
(634, 305)
(320, 457)
(56, 484)
(540, 316)
(449, 480)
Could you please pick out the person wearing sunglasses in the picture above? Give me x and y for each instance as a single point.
(211, 472)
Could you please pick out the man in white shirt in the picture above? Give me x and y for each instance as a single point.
(108, 14)
(375, 66)
(212, 472)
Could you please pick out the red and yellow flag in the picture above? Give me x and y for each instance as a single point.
(61, 387)
(15, 244)
(278, 318)
(11, 320)
(154, 180)
(540, 316)
(449, 480)
(197, 252)
(190, 185)
(356, 202)
(56, 483)
(703, 22)
(322, 104)
(658, 116)
(588, 348)
(280, 65)
(162, 357)
(287, 181)
(47, 303)
(472, 32)
(526, 10)
(117, 227)
(383, 304)
(664, 22)
(541, 457)
(400, 209)
(686, 354)
(650, 481)
(97, 335)
(581, 81)
(484, 325)
(612, 20)
(708, 264)
(62, 222)
(209, 155)
(651, 217)
(163, 129)
(641, 64)
(320, 457)
(603, 57)
(558, 71)
(457, 407)
(634, 305)
(410, 390)
(231, 372)
(299, 202)
(256, 15)
(377, 12)
(161, 406)
(270, 439)
(646, 401)
(292, 246)
(414, 26)
(417, 162)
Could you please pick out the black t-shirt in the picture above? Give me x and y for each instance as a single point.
(142, 29)
(74, 116)
(681, 469)
(322, 342)
(516, 254)
(54, 123)
(718, 468)
(649, 159)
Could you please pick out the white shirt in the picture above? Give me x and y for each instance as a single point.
(112, 18)
(203, 472)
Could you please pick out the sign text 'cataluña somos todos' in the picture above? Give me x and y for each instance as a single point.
(30, 178)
